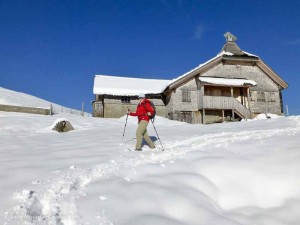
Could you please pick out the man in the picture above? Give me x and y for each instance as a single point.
(143, 111)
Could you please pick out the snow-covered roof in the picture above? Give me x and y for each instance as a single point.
(112, 85)
(227, 81)
(202, 65)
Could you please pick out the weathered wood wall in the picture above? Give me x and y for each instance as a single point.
(264, 84)
(178, 110)
(114, 108)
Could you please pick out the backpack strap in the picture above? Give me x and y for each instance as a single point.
(152, 115)
(144, 104)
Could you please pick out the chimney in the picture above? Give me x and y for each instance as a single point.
(230, 37)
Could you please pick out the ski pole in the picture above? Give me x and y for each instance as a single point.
(157, 136)
(125, 127)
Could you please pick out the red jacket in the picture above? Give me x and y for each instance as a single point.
(141, 110)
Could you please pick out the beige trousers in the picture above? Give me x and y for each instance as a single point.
(141, 133)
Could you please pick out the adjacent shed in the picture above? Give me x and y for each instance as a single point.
(114, 95)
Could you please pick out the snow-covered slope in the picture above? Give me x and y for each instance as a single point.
(224, 174)
(10, 97)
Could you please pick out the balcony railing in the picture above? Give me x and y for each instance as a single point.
(222, 102)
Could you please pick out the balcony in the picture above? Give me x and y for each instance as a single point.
(223, 103)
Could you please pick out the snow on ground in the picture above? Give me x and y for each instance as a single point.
(10, 97)
(241, 173)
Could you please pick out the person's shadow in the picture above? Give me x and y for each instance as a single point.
(153, 139)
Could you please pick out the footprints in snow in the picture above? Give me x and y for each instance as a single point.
(56, 195)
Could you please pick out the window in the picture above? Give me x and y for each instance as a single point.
(271, 97)
(252, 95)
(208, 91)
(226, 93)
(125, 99)
(260, 96)
(186, 95)
(186, 117)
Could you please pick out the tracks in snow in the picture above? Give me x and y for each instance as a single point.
(55, 202)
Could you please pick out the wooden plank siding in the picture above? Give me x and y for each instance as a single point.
(222, 102)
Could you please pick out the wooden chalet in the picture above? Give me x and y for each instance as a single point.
(232, 86)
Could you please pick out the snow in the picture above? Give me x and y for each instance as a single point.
(57, 121)
(9, 97)
(240, 173)
(250, 54)
(266, 116)
(14, 98)
(227, 81)
(201, 65)
(112, 85)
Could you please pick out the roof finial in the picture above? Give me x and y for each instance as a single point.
(230, 37)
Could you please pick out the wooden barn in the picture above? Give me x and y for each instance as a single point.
(233, 85)
(114, 95)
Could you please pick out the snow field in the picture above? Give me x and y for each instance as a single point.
(234, 173)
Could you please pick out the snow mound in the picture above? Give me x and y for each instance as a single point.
(263, 116)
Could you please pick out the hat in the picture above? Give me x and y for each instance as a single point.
(141, 95)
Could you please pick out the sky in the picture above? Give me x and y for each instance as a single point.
(53, 49)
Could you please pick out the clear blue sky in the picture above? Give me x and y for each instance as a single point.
(53, 49)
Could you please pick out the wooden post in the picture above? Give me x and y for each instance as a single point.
(248, 97)
(202, 104)
(201, 97)
(51, 110)
(223, 115)
(248, 100)
(82, 109)
(232, 110)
